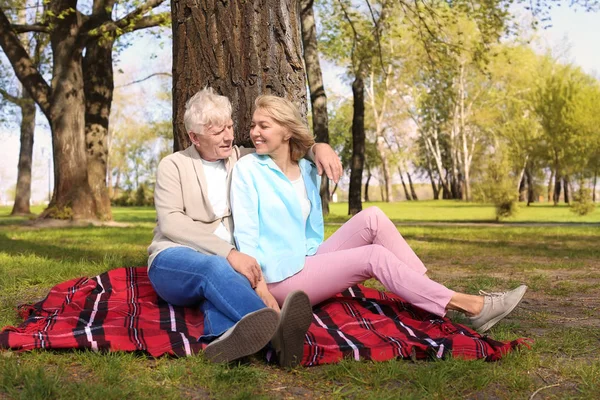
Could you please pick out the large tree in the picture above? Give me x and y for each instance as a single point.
(63, 101)
(242, 49)
(318, 98)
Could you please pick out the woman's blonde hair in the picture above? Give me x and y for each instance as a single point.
(286, 114)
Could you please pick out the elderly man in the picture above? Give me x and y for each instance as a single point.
(192, 258)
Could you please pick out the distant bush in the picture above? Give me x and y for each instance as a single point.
(497, 186)
(582, 203)
(143, 196)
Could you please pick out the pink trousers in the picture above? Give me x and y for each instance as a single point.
(367, 246)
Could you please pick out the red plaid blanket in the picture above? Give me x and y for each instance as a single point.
(119, 310)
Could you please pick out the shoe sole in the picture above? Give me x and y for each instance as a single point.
(296, 317)
(252, 333)
(487, 326)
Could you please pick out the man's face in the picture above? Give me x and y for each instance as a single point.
(216, 143)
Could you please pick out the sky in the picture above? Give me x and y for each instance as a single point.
(576, 31)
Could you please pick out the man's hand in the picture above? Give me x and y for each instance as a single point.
(263, 292)
(327, 161)
(245, 265)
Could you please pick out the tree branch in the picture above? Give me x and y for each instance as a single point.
(12, 99)
(144, 79)
(31, 28)
(133, 21)
(23, 66)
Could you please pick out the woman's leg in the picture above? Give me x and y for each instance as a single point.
(372, 226)
(326, 274)
(185, 277)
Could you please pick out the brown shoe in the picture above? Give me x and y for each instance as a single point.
(296, 316)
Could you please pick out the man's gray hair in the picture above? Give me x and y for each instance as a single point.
(206, 108)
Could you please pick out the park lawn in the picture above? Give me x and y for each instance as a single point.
(561, 312)
(460, 211)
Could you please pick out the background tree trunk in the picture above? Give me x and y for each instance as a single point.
(530, 186)
(98, 87)
(594, 186)
(557, 187)
(318, 98)
(358, 145)
(550, 195)
(413, 193)
(567, 191)
(23, 190)
(522, 189)
(369, 176)
(240, 48)
(406, 194)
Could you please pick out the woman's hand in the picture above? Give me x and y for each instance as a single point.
(245, 265)
(263, 292)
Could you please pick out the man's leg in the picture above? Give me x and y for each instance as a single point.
(185, 277)
(235, 317)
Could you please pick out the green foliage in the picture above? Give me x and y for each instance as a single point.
(64, 213)
(582, 203)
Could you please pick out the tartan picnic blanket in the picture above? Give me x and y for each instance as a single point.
(120, 311)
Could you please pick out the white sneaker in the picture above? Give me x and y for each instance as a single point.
(495, 307)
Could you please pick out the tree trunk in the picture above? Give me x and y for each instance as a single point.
(318, 99)
(358, 145)
(550, 186)
(240, 48)
(567, 184)
(530, 186)
(406, 194)
(413, 193)
(369, 176)
(385, 168)
(557, 187)
(98, 86)
(521, 188)
(72, 197)
(23, 190)
(434, 187)
(594, 187)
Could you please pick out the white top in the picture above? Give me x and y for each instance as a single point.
(300, 189)
(216, 179)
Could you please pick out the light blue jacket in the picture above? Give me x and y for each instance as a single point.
(267, 215)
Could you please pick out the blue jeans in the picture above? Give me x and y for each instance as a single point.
(185, 277)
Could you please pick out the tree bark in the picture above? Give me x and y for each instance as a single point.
(369, 176)
(557, 187)
(98, 87)
(413, 193)
(522, 189)
(550, 195)
(318, 98)
(594, 186)
(72, 196)
(23, 190)
(385, 168)
(406, 194)
(567, 184)
(434, 187)
(358, 145)
(530, 186)
(242, 49)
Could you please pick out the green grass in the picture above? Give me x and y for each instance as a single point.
(560, 263)
(459, 211)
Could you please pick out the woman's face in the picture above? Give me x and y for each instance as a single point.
(267, 135)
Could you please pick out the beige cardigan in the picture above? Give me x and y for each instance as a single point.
(184, 214)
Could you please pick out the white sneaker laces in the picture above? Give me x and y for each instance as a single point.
(491, 294)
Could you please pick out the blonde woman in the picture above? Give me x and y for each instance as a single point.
(278, 221)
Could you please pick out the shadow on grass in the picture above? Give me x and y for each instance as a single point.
(19, 246)
(587, 246)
